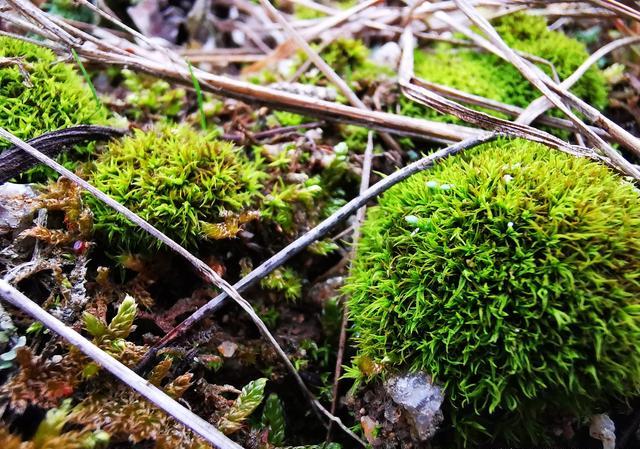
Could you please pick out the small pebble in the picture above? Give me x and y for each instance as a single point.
(227, 348)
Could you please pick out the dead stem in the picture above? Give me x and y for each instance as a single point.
(360, 214)
(542, 104)
(541, 81)
(324, 68)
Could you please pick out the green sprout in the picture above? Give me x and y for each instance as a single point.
(511, 274)
(196, 86)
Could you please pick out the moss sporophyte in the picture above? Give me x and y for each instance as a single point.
(511, 274)
(39, 94)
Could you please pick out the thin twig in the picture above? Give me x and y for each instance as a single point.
(543, 83)
(542, 104)
(504, 108)
(618, 8)
(446, 106)
(342, 339)
(30, 11)
(120, 371)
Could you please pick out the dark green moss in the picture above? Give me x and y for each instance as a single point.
(511, 274)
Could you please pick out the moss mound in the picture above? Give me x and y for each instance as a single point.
(485, 74)
(511, 274)
(187, 184)
(38, 95)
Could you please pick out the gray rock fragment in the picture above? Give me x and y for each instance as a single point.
(16, 207)
(420, 399)
(602, 428)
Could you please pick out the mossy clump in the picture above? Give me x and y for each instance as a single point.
(511, 274)
(38, 95)
(188, 184)
(350, 59)
(485, 74)
(151, 97)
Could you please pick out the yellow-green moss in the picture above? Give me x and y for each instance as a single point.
(485, 74)
(51, 96)
(182, 181)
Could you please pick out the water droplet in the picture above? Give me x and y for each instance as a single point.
(411, 219)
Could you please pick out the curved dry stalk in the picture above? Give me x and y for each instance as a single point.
(118, 370)
(30, 11)
(542, 81)
(541, 105)
(14, 161)
(317, 233)
(446, 106)
(202, 269)
(360, 215)
(618, 8)
(504, 108)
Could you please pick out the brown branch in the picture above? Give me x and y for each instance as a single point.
(14, 161)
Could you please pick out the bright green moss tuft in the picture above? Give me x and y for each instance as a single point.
(54, 96)
(183, 182)
(487, 75)
(511, 274)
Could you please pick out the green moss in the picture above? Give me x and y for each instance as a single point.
(69, 9)
(285, 281)
(150, 96)
(349, 58)
(54, 96)
(286, 118)
(511, 280)
(487, 75)
(184, 182)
